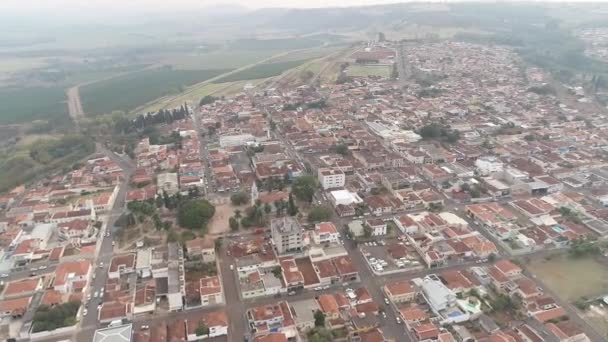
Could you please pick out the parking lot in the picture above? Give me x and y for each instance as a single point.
(390, 256)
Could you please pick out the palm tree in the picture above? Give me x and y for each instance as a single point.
(237, 214)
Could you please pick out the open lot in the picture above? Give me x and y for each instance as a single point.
(572, 278)
(393, 255)
(368, 70)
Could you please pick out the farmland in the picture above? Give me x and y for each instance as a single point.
(129, 91)
(28, 104)
(261, 71)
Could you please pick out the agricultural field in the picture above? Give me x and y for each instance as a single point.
(260, 71)
(572, 278)
(276, 44)
(196, 92)
(356, 70)
(28, 104)
(127, 92)
(221, 59)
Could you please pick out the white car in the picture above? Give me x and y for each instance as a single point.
(42, 267)
(85, 312)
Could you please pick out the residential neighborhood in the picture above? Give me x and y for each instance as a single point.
(423, 207)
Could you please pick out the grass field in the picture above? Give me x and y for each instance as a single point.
(368, 70)
(130, 91)
(28, 104)
(195, 93)
(222, 59)
(260, 71)
(572, 278)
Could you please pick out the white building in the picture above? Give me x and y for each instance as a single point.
(488, 165)
(344, 197)
(377, 226)
(287, 235)
(325, 232)
(437, 295)
(331, 178)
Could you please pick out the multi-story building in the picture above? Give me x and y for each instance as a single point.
(331, 178)
(286, 235)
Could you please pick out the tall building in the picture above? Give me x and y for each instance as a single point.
(287, 235)
(331, 178)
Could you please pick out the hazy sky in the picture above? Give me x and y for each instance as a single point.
(179, 4)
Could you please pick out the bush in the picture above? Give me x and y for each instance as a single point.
(320, 213)
(62, 315)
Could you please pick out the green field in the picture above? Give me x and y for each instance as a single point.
(222, 59)
(130, 91)
(276, 44)
(28, 104)
(572, 278)
(260, 71)
(368, 70)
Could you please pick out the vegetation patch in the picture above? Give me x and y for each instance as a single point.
(28, 104)
(260, 71)
(62, 315)
(132, 90)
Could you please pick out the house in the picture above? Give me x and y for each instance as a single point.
(112, 311)
(14, 308)
(201, 247)
(567, 331)
(508, 268)
(76, 229)
(406, 224)
(329, 306)
(346, 269)
(167, 183)
(121, 264)
(400, 291)
(211, 291)
(215, 321)
(377, 226)
(72, 276)
(23, 287)
(325, 232)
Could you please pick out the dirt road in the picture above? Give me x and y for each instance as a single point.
(75, 106)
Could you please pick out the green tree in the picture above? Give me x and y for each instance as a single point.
(320, 213)
(202, 329)
(304, 188)
(277, 272)
(267, 208)
(319, 318)
(237, 214)
(239, 198)
(194, 214)
(292, 209)
(233, 223)
(343, 150)
(319, 334)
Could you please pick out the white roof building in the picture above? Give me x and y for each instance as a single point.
(345, 197)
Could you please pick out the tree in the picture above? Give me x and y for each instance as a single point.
(343, 150)
(277, 272)
(292, 209)
(202, 329)
(237, 214)
(319, 318)
(267, 208)
(319, 334)
(194, 214)
(239, 198)
(320, 213)
(367, 231)
(207, 100)
(234, 223)
(304, 188)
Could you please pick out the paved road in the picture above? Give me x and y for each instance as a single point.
(89, 322)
